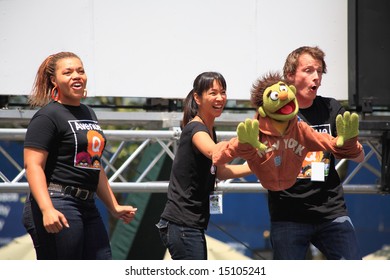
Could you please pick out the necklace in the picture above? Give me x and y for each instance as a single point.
(213, 168)
(201, 119)
(204, 123)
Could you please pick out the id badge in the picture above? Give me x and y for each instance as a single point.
(318, 171)
(216, 202)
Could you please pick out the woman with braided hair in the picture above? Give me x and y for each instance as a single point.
(62, 157)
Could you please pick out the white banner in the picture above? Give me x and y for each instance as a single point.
(154, 48)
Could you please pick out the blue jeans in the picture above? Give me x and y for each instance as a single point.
(183, 243)
(335, 239)
(86, 238)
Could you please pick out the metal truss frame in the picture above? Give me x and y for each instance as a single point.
(127, 146)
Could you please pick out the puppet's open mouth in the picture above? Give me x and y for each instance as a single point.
(287, 109)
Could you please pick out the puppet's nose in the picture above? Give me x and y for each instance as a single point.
(283, 95)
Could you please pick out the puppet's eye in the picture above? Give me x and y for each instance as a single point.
(274, 95)
(283, 88)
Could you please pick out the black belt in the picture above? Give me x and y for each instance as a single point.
(80, 193)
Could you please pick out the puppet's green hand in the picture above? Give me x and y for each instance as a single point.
(248, 132)
(347, 127)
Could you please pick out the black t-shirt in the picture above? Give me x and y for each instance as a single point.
(191, 182)
(312, 201)
(74, 140)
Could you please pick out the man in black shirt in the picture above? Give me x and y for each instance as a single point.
(312, 212)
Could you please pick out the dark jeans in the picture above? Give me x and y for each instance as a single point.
(86, 238)
(183, 243)
(335, 239)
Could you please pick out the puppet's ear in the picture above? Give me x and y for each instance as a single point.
(294, 90)
(262, 112)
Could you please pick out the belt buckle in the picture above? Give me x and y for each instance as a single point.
(67, 189)
(82, 194)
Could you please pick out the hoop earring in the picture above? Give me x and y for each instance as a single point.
(55, 93)
(85, 93)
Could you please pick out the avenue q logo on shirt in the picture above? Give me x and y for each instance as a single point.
(90, 143)
(319, 156)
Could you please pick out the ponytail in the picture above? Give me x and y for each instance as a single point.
(190, 108)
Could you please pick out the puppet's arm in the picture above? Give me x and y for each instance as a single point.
(243, 146)
(346, 145)
(347, 126)
(248, 132)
